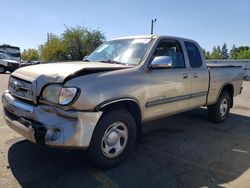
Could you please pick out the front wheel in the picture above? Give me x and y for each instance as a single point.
(2, 69)
(220, 110)
(113, 139)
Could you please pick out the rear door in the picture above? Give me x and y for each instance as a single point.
(199, 75)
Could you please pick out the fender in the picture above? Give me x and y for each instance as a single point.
(222, 87)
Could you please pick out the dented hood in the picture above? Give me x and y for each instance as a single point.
(43, 74)
(57, 72)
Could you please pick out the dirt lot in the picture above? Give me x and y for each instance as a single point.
(185, 150)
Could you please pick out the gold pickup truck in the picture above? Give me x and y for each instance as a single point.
(101, 103)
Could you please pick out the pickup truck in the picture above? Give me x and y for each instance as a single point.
(7, 64)
(101, 103)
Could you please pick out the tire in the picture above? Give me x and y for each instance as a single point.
(2, 69)
(113, 139)
(219, 111)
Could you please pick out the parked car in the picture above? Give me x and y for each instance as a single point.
(102, 103)
(7, 64)
(28, 63)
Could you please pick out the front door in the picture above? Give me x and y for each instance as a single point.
(168, 90)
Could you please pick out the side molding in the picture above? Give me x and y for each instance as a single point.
(112, 101)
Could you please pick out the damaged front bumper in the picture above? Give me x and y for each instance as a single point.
(50, 125)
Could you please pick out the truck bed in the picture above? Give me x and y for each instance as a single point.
(220, 75)
(221, 65)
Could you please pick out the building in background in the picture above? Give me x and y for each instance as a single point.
(13, 51)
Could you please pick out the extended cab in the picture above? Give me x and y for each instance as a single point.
(101, 103)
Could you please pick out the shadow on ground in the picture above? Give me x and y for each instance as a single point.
(179, 151)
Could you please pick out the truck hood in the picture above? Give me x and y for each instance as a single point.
(57, 72)
(44, 74)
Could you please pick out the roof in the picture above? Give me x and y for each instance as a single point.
(150, 37)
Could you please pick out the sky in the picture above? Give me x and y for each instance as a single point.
(211, 22)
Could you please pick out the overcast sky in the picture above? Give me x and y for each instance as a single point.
(212, 22)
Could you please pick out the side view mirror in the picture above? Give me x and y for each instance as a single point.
(85, 57)
(161, 62)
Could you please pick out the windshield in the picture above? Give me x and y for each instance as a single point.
(124, 51)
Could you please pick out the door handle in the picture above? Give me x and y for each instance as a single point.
(185, 76)
(195, 75)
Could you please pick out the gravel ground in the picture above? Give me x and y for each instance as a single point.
(185, 150)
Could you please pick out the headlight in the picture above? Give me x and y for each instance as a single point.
(58, 94)
(67, 95)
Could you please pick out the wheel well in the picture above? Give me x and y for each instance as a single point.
(129, 105)
(230, 89)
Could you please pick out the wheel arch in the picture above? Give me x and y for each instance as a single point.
(4, 67)
(127, 103)
(228, 87)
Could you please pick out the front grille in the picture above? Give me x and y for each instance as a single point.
(16, 65)
(20, 88)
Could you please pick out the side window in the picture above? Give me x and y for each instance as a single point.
(172, 49)
(194, 55)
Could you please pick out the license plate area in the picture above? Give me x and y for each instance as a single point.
(25, 122)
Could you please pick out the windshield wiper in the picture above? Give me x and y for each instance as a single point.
(113, 62)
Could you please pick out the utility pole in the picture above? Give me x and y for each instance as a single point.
(47, 36)
(152, 25)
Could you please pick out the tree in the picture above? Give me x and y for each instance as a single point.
(80, 41)
(218, 49)
(30, 55)
(243, 54)
(205, 53)
(233, 52)
(73, 40)
(224, 51)
(216, 53)
(208, 55)
(93, 40)
(53, 49)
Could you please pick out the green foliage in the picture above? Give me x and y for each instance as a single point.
(73, 40)
(205, 53)
(224, 52)
(242, 52)
(73, 44)
(53, 49)
(77, 42)
(233, 52)
(93, 40)
(30, 55)
(216, 53)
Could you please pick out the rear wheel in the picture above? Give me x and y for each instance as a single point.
(220, 110)
(2, 69)
(113, 139)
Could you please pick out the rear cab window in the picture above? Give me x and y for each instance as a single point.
(194, 55)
